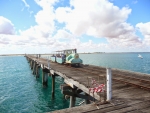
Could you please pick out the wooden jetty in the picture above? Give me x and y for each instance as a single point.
(130, 90)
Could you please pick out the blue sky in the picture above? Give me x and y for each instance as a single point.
(43, 26)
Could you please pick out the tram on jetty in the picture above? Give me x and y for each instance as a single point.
(69, 56)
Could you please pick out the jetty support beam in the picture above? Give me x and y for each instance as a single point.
(87, 97)
(75, 92)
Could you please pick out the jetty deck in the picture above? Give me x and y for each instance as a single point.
(130, 90)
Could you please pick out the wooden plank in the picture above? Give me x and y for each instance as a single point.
(69, 83)
(146, 110)
(135, 111)
(104, 110)
(123, 110)
(83, 108)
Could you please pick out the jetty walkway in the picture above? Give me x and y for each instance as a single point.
(130, 90)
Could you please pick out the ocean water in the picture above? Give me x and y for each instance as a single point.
(20, 92)
(125, 61)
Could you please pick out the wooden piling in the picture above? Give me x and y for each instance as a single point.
(37, 71)
(86, 100)
(72, 99)
(34, 67)
(53, 86)
(32, 64)
(44, 78)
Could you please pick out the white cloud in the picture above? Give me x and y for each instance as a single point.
(99, 19)
(134, 2)
(95, 18)
(38, 31)
(6, 26)
(26, 5)
(45, 3)
(45, 21)
(45, 16)
(144, 28)
(63, 34)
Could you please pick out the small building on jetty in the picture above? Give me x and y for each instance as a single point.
(129, 91)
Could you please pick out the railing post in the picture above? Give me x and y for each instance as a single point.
(109, 84)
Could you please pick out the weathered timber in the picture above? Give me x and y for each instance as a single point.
(74, 94)
(130, 90)
(87, 100)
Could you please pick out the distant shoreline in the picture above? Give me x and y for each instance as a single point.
(111, 52)
(12, 55)
(22, 54)
(79, 53)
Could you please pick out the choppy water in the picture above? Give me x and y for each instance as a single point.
(20, 92)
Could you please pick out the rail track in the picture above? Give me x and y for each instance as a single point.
(129, 80)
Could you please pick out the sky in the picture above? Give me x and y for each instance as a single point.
(44, 26)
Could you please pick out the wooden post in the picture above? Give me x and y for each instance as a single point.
(43, 74)
(72, 100)
(37, 72)
(44, 78)
(53, 86)
(86, 100)
(109, 84)
(30, 62)
(34, 64)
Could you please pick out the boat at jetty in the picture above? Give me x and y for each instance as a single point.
(69, 56)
